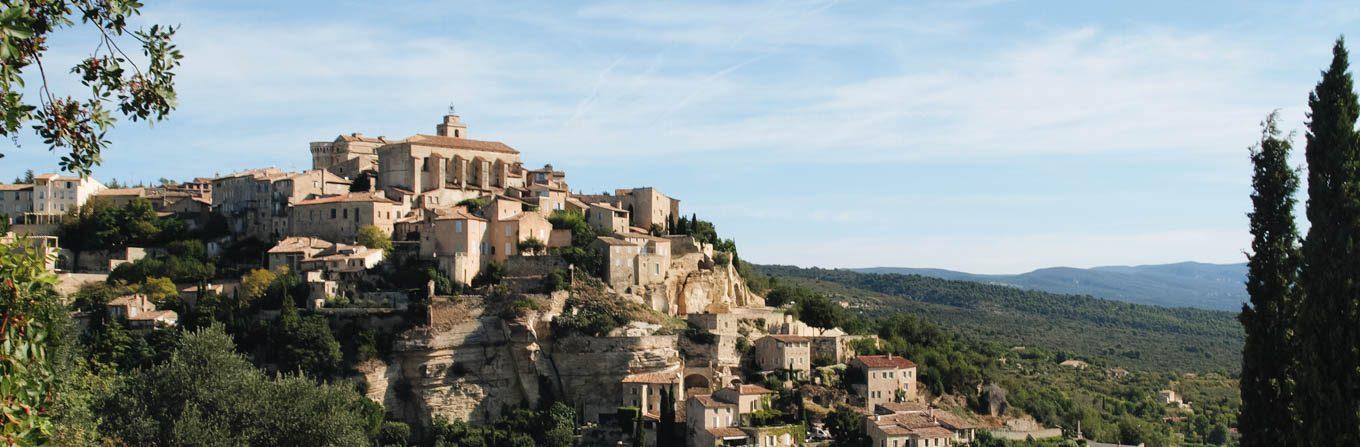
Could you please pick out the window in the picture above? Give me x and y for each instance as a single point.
(356, 214)
(344, 213)
(332, 213)
(509, 230)
(508, 251)
(457, 226)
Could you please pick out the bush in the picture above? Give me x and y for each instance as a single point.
(373, 237)
(532, 246)
(491, 274)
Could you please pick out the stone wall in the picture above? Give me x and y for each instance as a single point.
(591, 369)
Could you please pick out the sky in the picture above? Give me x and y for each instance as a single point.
(975, 135)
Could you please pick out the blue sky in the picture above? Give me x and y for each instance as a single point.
(986, 136)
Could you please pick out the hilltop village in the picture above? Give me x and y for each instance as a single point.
(482, 285)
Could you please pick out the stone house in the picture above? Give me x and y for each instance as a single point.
(607, 218)
(140, 312)
(258, 202)
(15, 201)
(883, 378)
(292, 250)
(710, 422)
(347, 155)
(458, 243)
(748, 399)
(785, 352)
(508, 232)
(644, 391)
(339, 217)
(907, 430)
(647, 207)
(619, 256)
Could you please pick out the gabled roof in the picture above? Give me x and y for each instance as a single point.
(358, 137)
(747, 390)
(610, 240)
(299, 244)
(790, 338)
(348, 197)
(727, 433)
(707, 401)
(885, 361)
(656, 377)
(456, 213)
(16, 187)
(461, 143)
(122, 192)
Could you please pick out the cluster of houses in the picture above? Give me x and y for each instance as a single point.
(462, 204)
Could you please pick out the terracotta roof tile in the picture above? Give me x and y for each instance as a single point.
(350, 197)
(885, 361)
(461, 143)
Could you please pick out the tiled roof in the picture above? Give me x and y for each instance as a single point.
(885, 361)
(349, 197)
(753, 389)
(456, 213)
(16, 187)
(660, 377)
(727, 433)
(610, 240)
(361, 138)
(953, 421)
(295, 244)
(790, 338)
(461, 143)
(707, 401)
(156, 315)
(122, 192)
(903, 407)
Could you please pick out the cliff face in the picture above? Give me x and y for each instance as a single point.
(465, 370)
(471, 364)
(591, 368)
(691, 289)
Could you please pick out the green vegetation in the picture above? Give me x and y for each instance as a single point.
(554, 426)
(207, 394)
(1267, 392)
(1126, 335)
(373, 237)
(1328, 369)
(144, 91)
(593, 312)
(27, 382)
(988, 370)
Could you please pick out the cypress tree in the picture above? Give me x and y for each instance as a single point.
(1328, 328)
(1267, 414)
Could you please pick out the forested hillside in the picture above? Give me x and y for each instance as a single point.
(1127, 335)
(1184, 284)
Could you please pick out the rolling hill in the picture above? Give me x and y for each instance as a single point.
(1133, 336)
(1185, 284)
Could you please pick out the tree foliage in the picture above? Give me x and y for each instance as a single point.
(139, 90)
(1329, 377)
(373, 237)
(26, 377)
(1267, 417)
(207, 394)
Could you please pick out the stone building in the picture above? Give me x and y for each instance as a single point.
(347, 155)
(44, 201)
(258, 202)
(140, 313)
(785, 352)
(883, 378)
(339, 217)
(647, 207)
(607, 218)
(644, 391)
(448, 160)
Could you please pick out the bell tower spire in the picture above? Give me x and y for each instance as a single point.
(452, 125)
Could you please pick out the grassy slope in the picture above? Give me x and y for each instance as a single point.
(1128, 335)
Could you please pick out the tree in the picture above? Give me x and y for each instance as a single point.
(139, 92)
(26, 377)
(1328, 397)
(305, 344)
(207, 394)
(847, 428)
(255, 285)
(373, 237)
(665, 428)
(1268, 364)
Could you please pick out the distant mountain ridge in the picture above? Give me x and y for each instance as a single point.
(1182, 284)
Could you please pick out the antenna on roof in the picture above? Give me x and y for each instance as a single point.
(452, 110)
